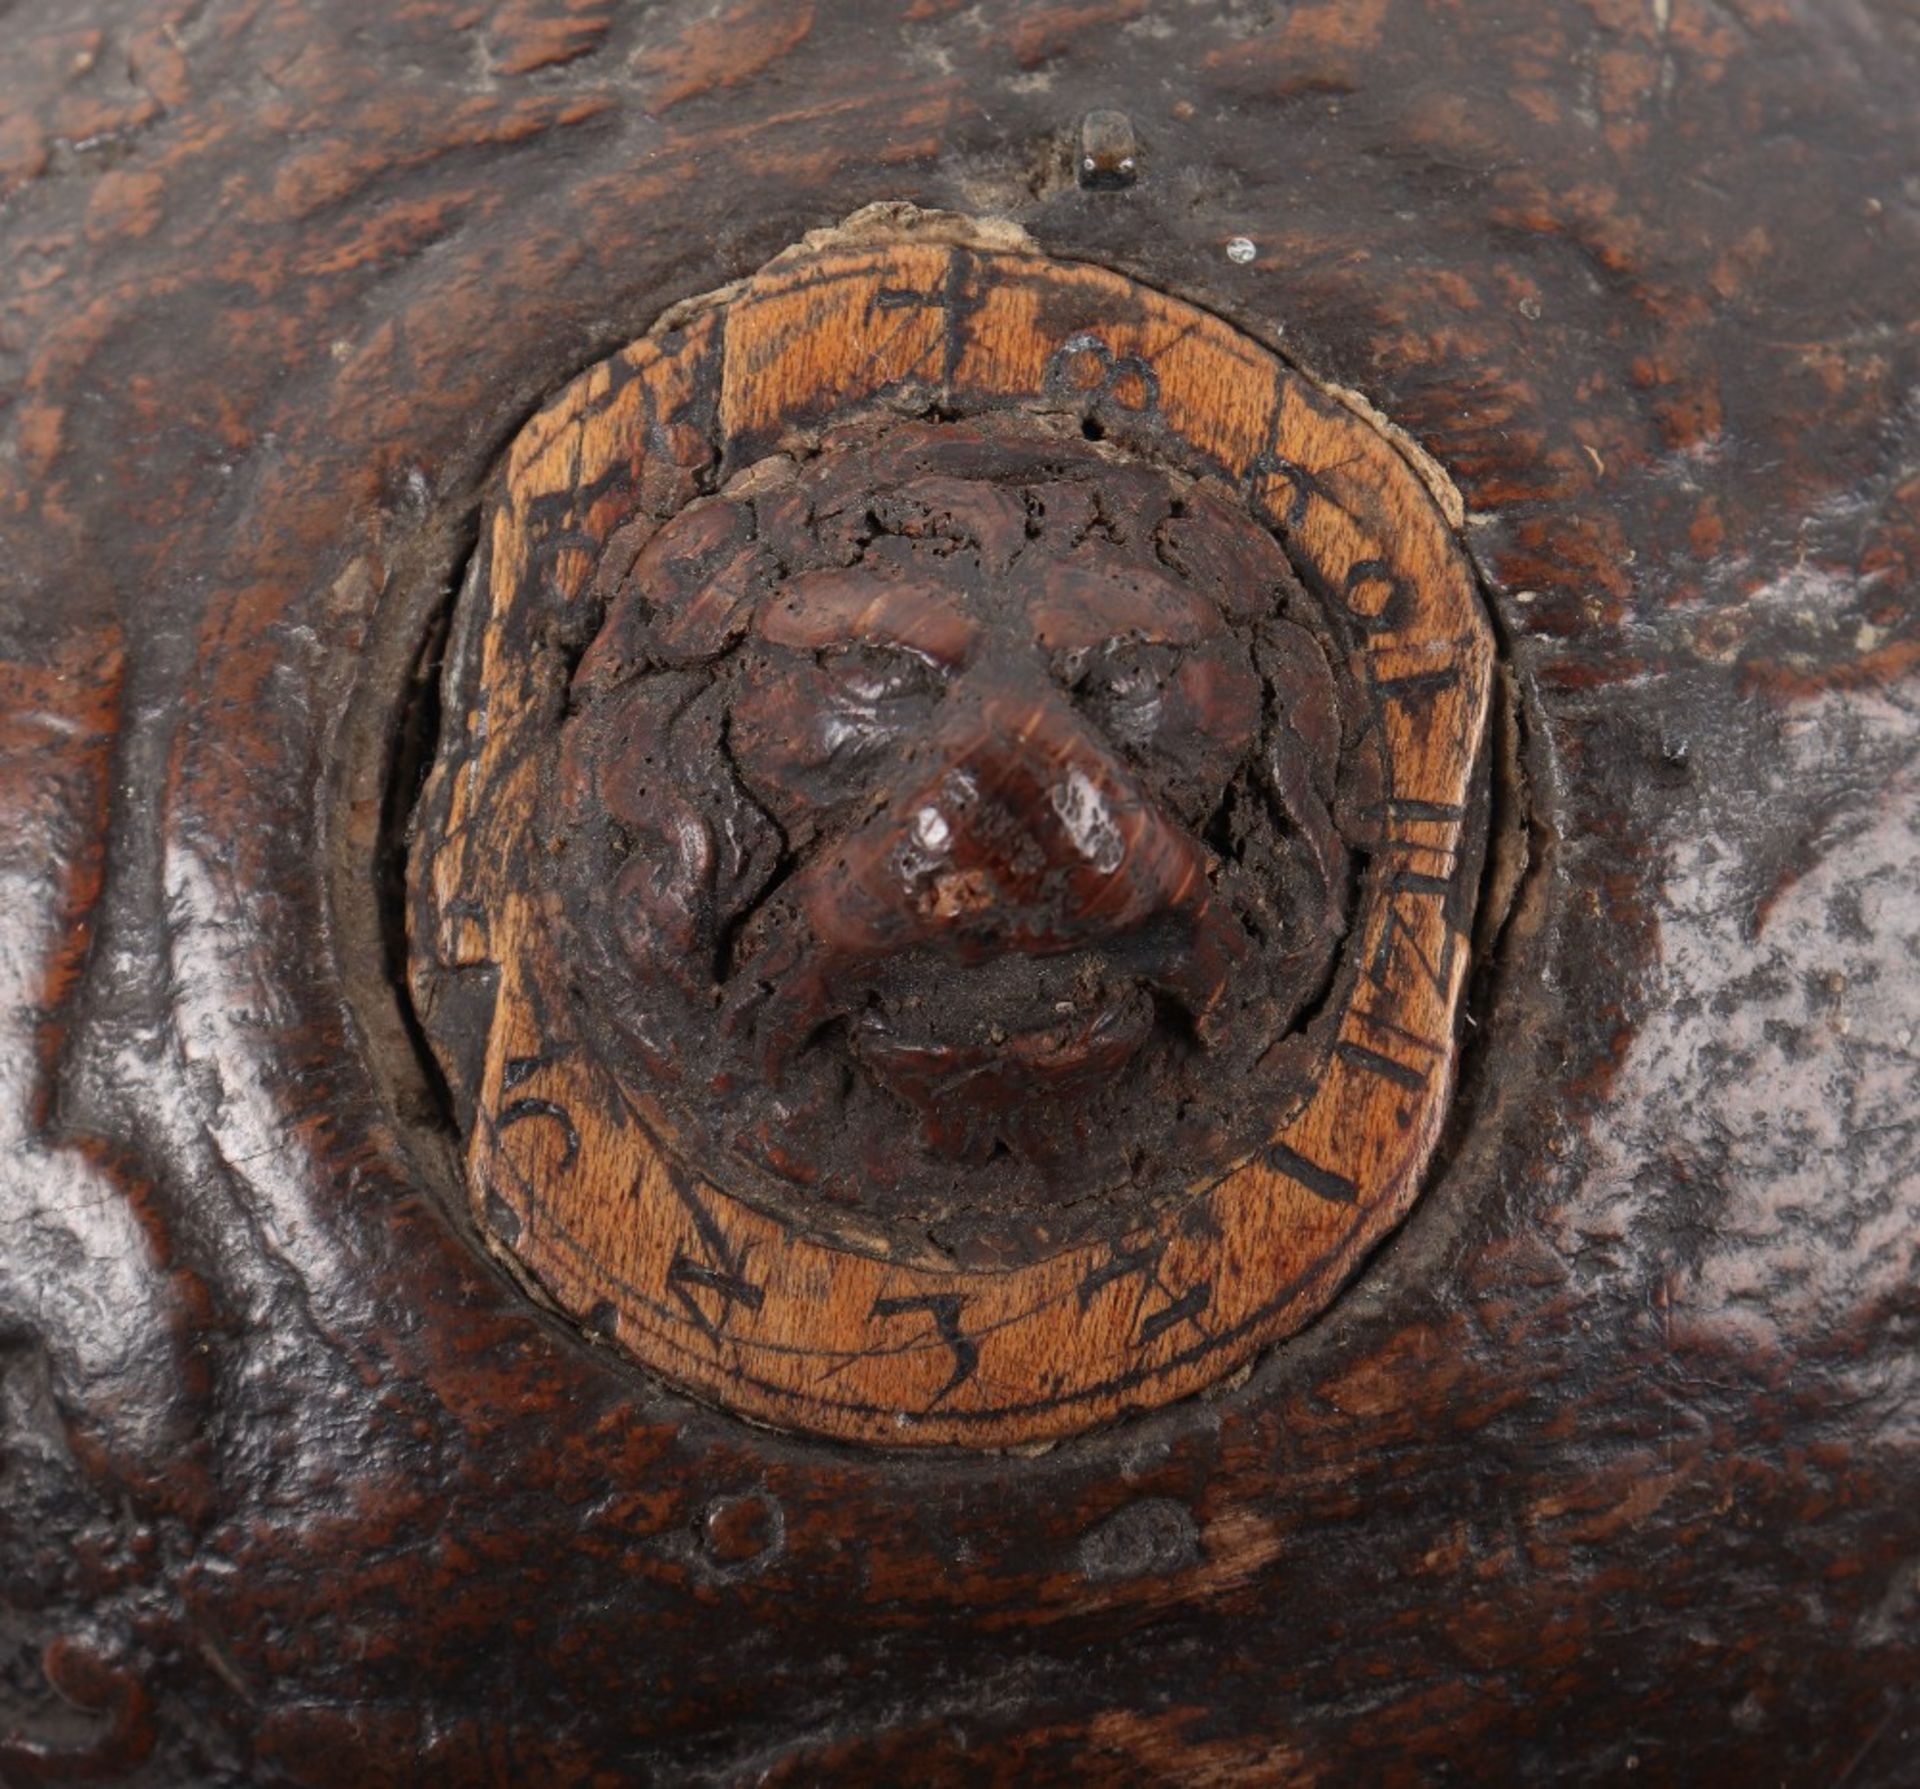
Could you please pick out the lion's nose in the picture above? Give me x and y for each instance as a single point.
(1029, 835)
(1024, 833)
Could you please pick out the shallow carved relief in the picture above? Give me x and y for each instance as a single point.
(943, 900)
(959, 798)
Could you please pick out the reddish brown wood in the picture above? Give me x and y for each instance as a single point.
(1609, 1458)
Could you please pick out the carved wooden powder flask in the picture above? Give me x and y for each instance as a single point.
(931, 1022)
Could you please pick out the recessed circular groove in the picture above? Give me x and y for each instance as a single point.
(944, 925)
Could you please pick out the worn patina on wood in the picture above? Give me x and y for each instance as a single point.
(1604, 1467)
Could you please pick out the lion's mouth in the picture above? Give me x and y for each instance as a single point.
(1045, 1031)
(975, 1081)
(968, 1046)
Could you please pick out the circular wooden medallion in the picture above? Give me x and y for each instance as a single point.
(943, 899)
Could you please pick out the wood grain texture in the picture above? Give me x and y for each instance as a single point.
(1609, 1459)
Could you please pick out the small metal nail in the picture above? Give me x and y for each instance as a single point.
(1109, 153)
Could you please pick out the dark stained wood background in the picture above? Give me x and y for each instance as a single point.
(1610, 1462)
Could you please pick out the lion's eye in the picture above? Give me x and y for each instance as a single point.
(807, 730)
(876, 677)
(1124, 686)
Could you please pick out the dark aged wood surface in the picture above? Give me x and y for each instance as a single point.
(1610, 1462)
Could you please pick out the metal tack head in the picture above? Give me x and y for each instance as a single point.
(1109, 156)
